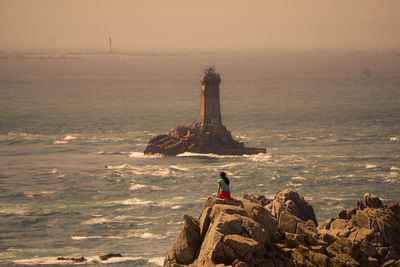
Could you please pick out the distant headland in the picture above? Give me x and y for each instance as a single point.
(208, 135)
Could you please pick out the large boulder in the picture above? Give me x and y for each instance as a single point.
(186, 244)
(292, 201)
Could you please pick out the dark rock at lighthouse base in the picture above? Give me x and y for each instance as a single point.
(196, 138)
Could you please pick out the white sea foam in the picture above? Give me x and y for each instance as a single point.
(260, 157)
(174, 167)
(209, 155)
(60, 142)
(299, 178)
(53, 260)
(176, 207)
(96, 221)
(162, 172)
(157, 260)
(370, 166)
(119, 167)
(332, 198)
(338, 207)
(85, 237)
(294, 184)
(230, 165)
(137, 186)
(243, 137)
(32, 194)
(145, 223)
(142, 155)
(394, 168)
(95, 237)
(69, 137)
(133, 201)
(146, 235)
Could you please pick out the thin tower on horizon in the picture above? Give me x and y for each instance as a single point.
(110, 42)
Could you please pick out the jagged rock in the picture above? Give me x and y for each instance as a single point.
(295, 204)
(239, 263)
(186, 244)
(244, 247)
(259, 214)
(198, 139)
(343, 259)
(243, 232)
(110, 255)
(372, 201)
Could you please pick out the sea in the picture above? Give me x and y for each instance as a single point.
(74, 181)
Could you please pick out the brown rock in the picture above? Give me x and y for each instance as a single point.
(287, 222)
(344, 260)
(259, 214)
(198, 138)
(242, 246)
(372, 201)
(296, 205)
(186, 244)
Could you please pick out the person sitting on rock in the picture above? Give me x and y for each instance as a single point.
(223, 186)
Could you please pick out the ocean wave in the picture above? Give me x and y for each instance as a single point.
(174, 167)
(146, 235)
(293, 184)
(119, 167)
(208, 155)
(370, 166)
(19, 137)
(395, 139)
(338, 207)
(70, 137)
(260, 157)
(32, 194)
(332, 198)
(95, 237)
(36, 261)
(134, 187)
(60, 142)
(394, 168)
(133, 201)
(110, 153)
(142, 155)
(137, 186)
(230, 165)
(157, 260)
(299, 178)
(96, 221)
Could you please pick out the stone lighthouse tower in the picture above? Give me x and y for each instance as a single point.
(210, 108)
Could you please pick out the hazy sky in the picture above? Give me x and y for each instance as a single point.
(221, 24)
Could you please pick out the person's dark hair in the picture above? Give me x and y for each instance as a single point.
(223, 176)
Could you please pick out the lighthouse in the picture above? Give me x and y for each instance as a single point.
(210, 108)
(208, 135)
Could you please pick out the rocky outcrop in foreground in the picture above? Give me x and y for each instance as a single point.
(255, 231)
(198, 139)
